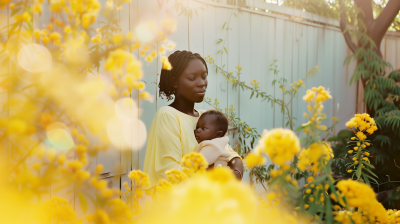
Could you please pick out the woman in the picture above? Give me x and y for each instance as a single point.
(171, 134)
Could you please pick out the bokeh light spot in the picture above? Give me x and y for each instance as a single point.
(34, 58)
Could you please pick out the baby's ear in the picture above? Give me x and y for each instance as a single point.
(220, 134)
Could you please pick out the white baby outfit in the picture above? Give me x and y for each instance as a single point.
(215, 151)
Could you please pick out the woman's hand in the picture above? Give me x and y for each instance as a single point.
(236, 166)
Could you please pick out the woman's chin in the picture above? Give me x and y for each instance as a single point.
(199, 100)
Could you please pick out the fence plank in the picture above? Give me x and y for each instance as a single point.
(210, 49)
(233, 59)
(196, 43)
(268, 54)
(279, 55)
(148, 11)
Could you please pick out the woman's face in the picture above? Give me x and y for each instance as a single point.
(192, 83)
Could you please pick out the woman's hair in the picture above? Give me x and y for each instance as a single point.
(222, 120)
(179, 61)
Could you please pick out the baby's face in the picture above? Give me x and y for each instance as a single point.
(206, 128)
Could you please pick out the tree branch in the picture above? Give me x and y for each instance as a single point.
(381, 24)
(366, 13)
(343, 27)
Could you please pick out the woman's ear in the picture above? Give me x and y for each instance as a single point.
(220, 134)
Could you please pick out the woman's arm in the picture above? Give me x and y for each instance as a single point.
(164, 150)
(236, 166)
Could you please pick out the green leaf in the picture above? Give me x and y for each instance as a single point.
(252, 93)
(366, 179)
(358, 172)
(15, 11)
(11, 31)
(226, 51)
(224, 25)
(328, 211)
(372, 173)
(30, 27)
(371, 178)
(83, 201)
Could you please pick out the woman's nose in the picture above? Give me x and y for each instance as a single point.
(197, 130)
(202, 83)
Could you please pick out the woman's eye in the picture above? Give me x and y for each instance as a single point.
(191, 79)
(203, 129)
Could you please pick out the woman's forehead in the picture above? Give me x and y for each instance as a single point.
(195, 66)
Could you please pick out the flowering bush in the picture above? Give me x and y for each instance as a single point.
(362, 125)
(47, 130)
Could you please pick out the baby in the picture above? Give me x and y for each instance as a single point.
(210, 134)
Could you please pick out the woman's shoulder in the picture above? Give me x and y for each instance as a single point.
(166, 111)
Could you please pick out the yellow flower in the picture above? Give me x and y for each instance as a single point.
(310, 179)
(24, 17)
(352, 138)
(281, 145)
(176, 176)
(107, 193)
(117, 38)
(54, 36)
(166, 65)
(67, 29)
(349, 171)
(96, 39)
(61, 159)
(145, 95)
(361, 136)
(350, 151)
(74, 165)
(253, 160)
(37, 8)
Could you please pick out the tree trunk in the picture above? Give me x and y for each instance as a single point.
(373, 28)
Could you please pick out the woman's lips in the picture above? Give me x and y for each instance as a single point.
(201, 93)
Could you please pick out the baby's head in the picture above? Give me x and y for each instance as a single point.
(211, 124)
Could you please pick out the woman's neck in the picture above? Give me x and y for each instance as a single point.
(184, 106)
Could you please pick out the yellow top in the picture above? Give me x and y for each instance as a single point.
(171, 136)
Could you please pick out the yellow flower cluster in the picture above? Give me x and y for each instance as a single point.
(56, 209)
(315, 107)
(348, 217)
(314, 157)
(176, 176)
(78, 12)
(362, 123)
(193, 163)
(297, 84)
(135, 190)
(394, 216)
(281, 145)
(319, 93)
(254, 159)
(361, 196)
(114, 211)
(212, 197)
(255, 84)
